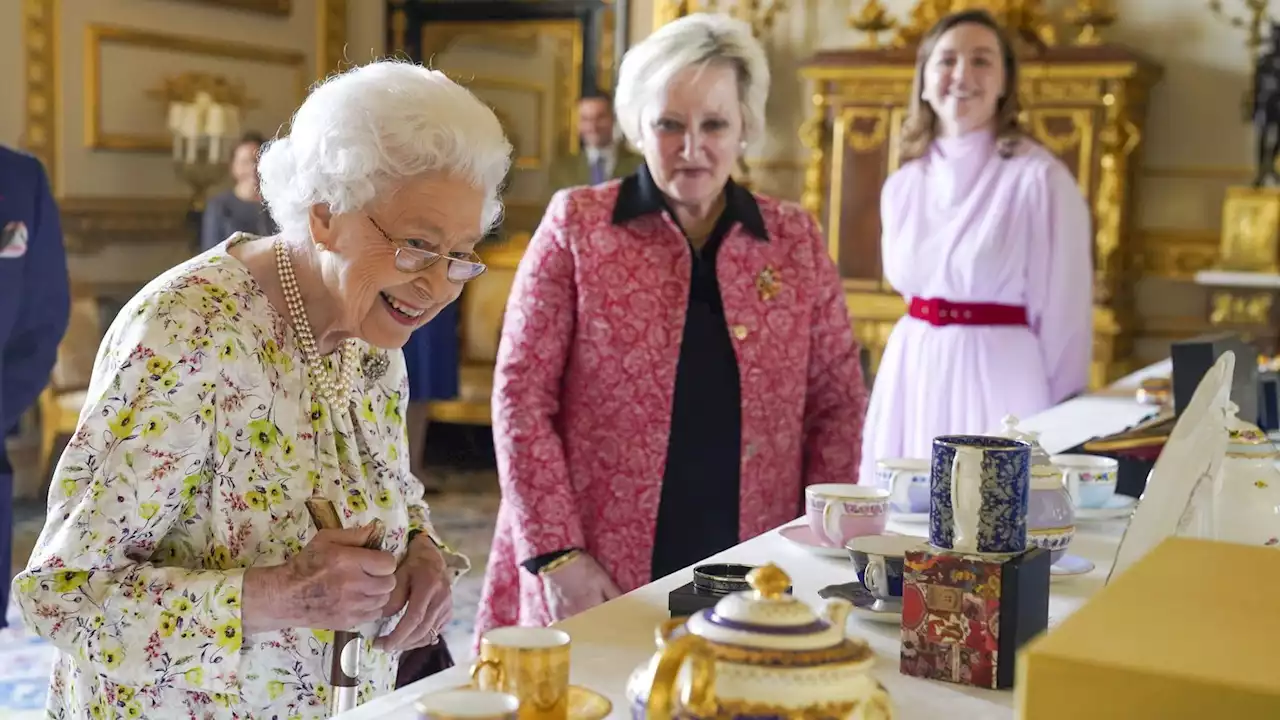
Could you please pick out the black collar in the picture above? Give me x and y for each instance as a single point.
(638, 195)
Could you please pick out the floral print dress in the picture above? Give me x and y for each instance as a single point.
(198, 446)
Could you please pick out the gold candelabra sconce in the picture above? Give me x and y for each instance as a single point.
(1251, 21)
(761, 15)
(1028, 21)
(1089, 17)
(204, 114)
(1255, 14)
(872, 20)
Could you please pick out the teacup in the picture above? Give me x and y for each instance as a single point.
(467, 704)
(531, 663)
(878, 560)
(907, 481)
(838, 512)
(1090, 479)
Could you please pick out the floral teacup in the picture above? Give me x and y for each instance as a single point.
(837, 513)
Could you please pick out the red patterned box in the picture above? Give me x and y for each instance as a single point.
(964, 616)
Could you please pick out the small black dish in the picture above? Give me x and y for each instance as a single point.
(721, 578)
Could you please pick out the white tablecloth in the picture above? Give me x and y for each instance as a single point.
(610, 641)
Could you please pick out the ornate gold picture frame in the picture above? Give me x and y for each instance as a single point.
(270, 7)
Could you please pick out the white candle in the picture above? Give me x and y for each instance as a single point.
(215, 127)
(176, 112)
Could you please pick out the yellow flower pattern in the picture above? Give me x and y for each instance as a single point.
(198, 446)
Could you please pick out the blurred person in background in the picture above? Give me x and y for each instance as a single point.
(603, 157)
(240, 207)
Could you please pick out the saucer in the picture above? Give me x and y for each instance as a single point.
(584, 703)
(1070, 566)
(1118, 507)
(587, 704)
(865, 605)
(802, 537)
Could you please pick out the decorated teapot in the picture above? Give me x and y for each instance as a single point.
(1246, 497)
(1051, 515)
(760, 653)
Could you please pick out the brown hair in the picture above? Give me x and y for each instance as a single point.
(920, 128)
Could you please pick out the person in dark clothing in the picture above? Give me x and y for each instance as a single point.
(239, 208)
(35, 306)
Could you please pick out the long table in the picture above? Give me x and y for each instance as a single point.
(611, 640)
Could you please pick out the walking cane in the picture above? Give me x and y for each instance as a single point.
(344, 668)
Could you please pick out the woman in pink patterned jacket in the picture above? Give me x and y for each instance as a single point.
(677, 361)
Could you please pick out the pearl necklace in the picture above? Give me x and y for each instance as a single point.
(333, 388)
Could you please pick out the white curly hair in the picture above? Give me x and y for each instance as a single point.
(361, 133)
(693, 40)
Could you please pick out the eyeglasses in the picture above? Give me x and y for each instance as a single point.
(410, 259)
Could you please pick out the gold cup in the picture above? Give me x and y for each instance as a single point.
(467, 704)
(530, 663)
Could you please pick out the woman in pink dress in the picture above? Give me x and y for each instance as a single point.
(986, 235)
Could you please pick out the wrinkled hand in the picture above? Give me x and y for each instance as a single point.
(334, 584)
(424, 593)
(578, 585)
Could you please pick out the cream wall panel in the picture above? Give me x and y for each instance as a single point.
(126, 67)
(366, 36)
(137, 194)
(128, 72)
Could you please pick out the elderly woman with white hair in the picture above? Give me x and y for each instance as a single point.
(677, 362)
(179, 572)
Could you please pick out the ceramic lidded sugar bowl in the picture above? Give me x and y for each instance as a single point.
(1246, 501)
(1051, 515)
(760, 653)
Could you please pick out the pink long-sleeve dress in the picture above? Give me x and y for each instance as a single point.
(965, 225)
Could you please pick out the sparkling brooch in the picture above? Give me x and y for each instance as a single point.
(768, 284)
(375, 365)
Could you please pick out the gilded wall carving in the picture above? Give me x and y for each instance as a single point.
(40, 42)
(270, 7)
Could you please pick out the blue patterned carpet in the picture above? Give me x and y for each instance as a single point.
(464, 514)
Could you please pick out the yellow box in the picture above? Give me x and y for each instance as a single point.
(1192, 630)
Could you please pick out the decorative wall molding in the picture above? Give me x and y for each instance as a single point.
(88, 223)
(1174, 327)
(98, 35)
(331, 36)
(1177, 253)
(270, 7)
(43, 121)
(1231, 173)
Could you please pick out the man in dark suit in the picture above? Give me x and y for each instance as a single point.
(35, 304)
(603, 156)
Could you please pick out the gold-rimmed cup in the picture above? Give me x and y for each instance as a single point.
(468, 704)
(530, 663)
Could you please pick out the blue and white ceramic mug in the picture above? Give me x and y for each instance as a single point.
(978, 492)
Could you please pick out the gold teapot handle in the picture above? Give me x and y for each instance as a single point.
(662, 634)
(700, 697)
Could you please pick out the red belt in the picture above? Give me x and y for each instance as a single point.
(940, 312)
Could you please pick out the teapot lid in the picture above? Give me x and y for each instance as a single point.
(766, 617)
(1245, 438)
(1040, 462)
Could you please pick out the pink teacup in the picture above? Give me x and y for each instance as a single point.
(837, 513)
